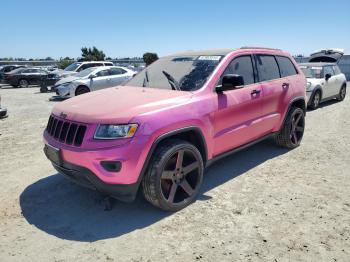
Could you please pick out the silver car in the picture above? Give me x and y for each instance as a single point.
(92, 79)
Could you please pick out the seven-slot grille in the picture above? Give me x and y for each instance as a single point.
(65, 131)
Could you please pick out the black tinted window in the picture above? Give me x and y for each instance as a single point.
(267, 67)
(103, 73)
(242, 66)
(286, 66)
(117, 71)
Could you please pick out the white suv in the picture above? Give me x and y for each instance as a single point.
(325, 81)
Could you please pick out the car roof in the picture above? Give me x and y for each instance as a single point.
(99, 68)
(224, 51)
(320, 64)
(90, 62)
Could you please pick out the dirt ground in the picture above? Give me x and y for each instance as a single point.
(261, 204)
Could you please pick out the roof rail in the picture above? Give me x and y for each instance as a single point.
(256, 47)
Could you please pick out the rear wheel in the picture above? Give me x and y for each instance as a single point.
(82, 90)
(292, 131)
(174, 175)
(316, 99)
(342, 93)
(23, 83)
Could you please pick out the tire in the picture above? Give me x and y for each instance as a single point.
(315, 100)
(342, 93)
(81, 90)
(292, 130)
(43, 89)
(23, 83)
(168, 184)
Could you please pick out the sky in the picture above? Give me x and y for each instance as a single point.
(38, 29)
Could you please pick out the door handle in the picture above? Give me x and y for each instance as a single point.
(255, 92)
(285, 85)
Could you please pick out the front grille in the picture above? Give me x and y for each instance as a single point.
(65, 131)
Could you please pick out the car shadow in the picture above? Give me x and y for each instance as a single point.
(325, 104)
(60, 208)
(4, 86)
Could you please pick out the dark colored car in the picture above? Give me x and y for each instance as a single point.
(23, 77)
(6, 69)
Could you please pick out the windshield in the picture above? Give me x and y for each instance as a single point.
(312, 71)
(72, 67)
(85, 72)
(186, 73)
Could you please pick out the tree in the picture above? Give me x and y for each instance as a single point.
(64, 62)
(149, 58)
(92, 54)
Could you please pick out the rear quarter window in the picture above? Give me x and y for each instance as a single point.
(267, 67)
(336, 70)
(286, 66)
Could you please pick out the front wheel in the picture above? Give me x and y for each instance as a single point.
(315, 101)
(23, 83)
(82, 90)
(292, 131)
(342, 93)
(174, 175)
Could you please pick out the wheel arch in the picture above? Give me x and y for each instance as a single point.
(80, 86)
(192, 134)
(296, 102)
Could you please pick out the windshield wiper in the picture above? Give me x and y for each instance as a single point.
(145, 79)
(173, 83)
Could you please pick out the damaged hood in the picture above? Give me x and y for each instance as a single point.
(119, 104)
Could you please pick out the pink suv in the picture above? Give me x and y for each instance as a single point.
(173, 119)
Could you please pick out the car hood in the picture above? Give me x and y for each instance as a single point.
(67, 79)
(315, 81)
(119, 104)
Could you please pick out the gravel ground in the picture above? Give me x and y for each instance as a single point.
(261, 204)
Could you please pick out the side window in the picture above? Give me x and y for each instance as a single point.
(117, 71)
(103, 73)
(328, 70)
(336, 70)
(286, 66)
(243, 66)
(267, 67)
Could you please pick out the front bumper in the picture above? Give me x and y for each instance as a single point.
(62, 91)
(84, 177)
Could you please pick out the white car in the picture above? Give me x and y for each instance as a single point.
(80, 66)
(325, 81)
(92, 79)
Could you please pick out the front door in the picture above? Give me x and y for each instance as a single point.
(236, 120)
(331, 85)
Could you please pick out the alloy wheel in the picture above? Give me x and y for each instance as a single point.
(180, 177)
(23, 83)
(316, 100)
(297, 128)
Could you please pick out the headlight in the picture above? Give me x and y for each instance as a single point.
(308, 86)
(115, 131)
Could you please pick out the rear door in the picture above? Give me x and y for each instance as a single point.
(275, 89)
(236, 120)
(118, 76)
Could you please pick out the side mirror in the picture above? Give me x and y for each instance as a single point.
(230, 82)
(328, 76)
(92, 76)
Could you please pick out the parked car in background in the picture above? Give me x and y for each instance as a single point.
(80, 66)
(23, 77)
(325, 81)
(6, 69)
(177, 116)
(92, 79)
(3, 110)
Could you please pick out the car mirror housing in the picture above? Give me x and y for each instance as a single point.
(230, 82)
(327, 76)
(92, 76)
